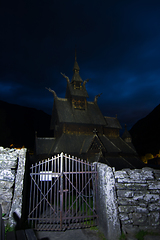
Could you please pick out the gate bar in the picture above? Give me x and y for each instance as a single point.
(61, 190)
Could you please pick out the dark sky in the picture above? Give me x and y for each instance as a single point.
(118, 47)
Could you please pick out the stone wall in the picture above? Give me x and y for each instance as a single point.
(128, 200)
(138, 195)
(12, 168)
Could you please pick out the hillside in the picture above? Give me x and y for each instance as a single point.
(146, 133)
(18, 125)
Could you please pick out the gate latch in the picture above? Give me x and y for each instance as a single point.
(65, 190)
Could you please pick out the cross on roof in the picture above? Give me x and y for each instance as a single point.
(95, 131)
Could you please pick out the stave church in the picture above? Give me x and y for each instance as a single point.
(81, 130)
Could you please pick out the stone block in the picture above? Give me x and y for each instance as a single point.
(154, 207)
(6, 195)
(7, 164)
(140, 219)
(6, 185)
(127, 209)
(154, 218)
(127, 201)
(135, 174)
(123, 216)
(7, 175)
(139, 196)
(1, 149)
(155, 191)
(154, 185)
(126, 222)
(124, 193)
(123, 180)
(6, 207)
(147, 173)
(141, 210)
(157, 174)
(120, 186)
(121, 174)
(136, 186)
(151, 197)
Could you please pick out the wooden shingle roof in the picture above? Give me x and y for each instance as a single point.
(67, 114)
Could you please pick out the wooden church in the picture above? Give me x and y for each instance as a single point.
(81, 130)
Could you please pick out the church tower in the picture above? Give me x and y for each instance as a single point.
(76, 90)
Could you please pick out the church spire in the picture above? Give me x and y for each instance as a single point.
(76, 77)
(75, 54)
(76, 66)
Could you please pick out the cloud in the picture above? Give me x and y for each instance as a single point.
(117, 47)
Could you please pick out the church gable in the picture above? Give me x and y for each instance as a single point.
(96, 145)
(79, 103)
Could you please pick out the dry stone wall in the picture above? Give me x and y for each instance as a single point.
(12, 169)
(128, 200)
(138, 196)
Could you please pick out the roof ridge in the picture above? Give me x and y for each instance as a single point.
(110, 117)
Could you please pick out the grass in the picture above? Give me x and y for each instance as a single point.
(140, 235)
(95, 228)
(8, 228)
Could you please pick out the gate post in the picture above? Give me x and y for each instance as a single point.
(107, 203)
(61, 189)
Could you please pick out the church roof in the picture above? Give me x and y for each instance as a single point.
(107, 144)
(44, 145)
(76, 66)
(116, 148)
(81, 143)
(76, 77)
(67, 114)
(122, 145)
(124, 162)
(78, 92)
(69, 143)
(112, 122)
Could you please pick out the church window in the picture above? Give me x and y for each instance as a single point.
(77, 85)
(78, 103)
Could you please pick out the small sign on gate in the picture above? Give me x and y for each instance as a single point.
(46, 176)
